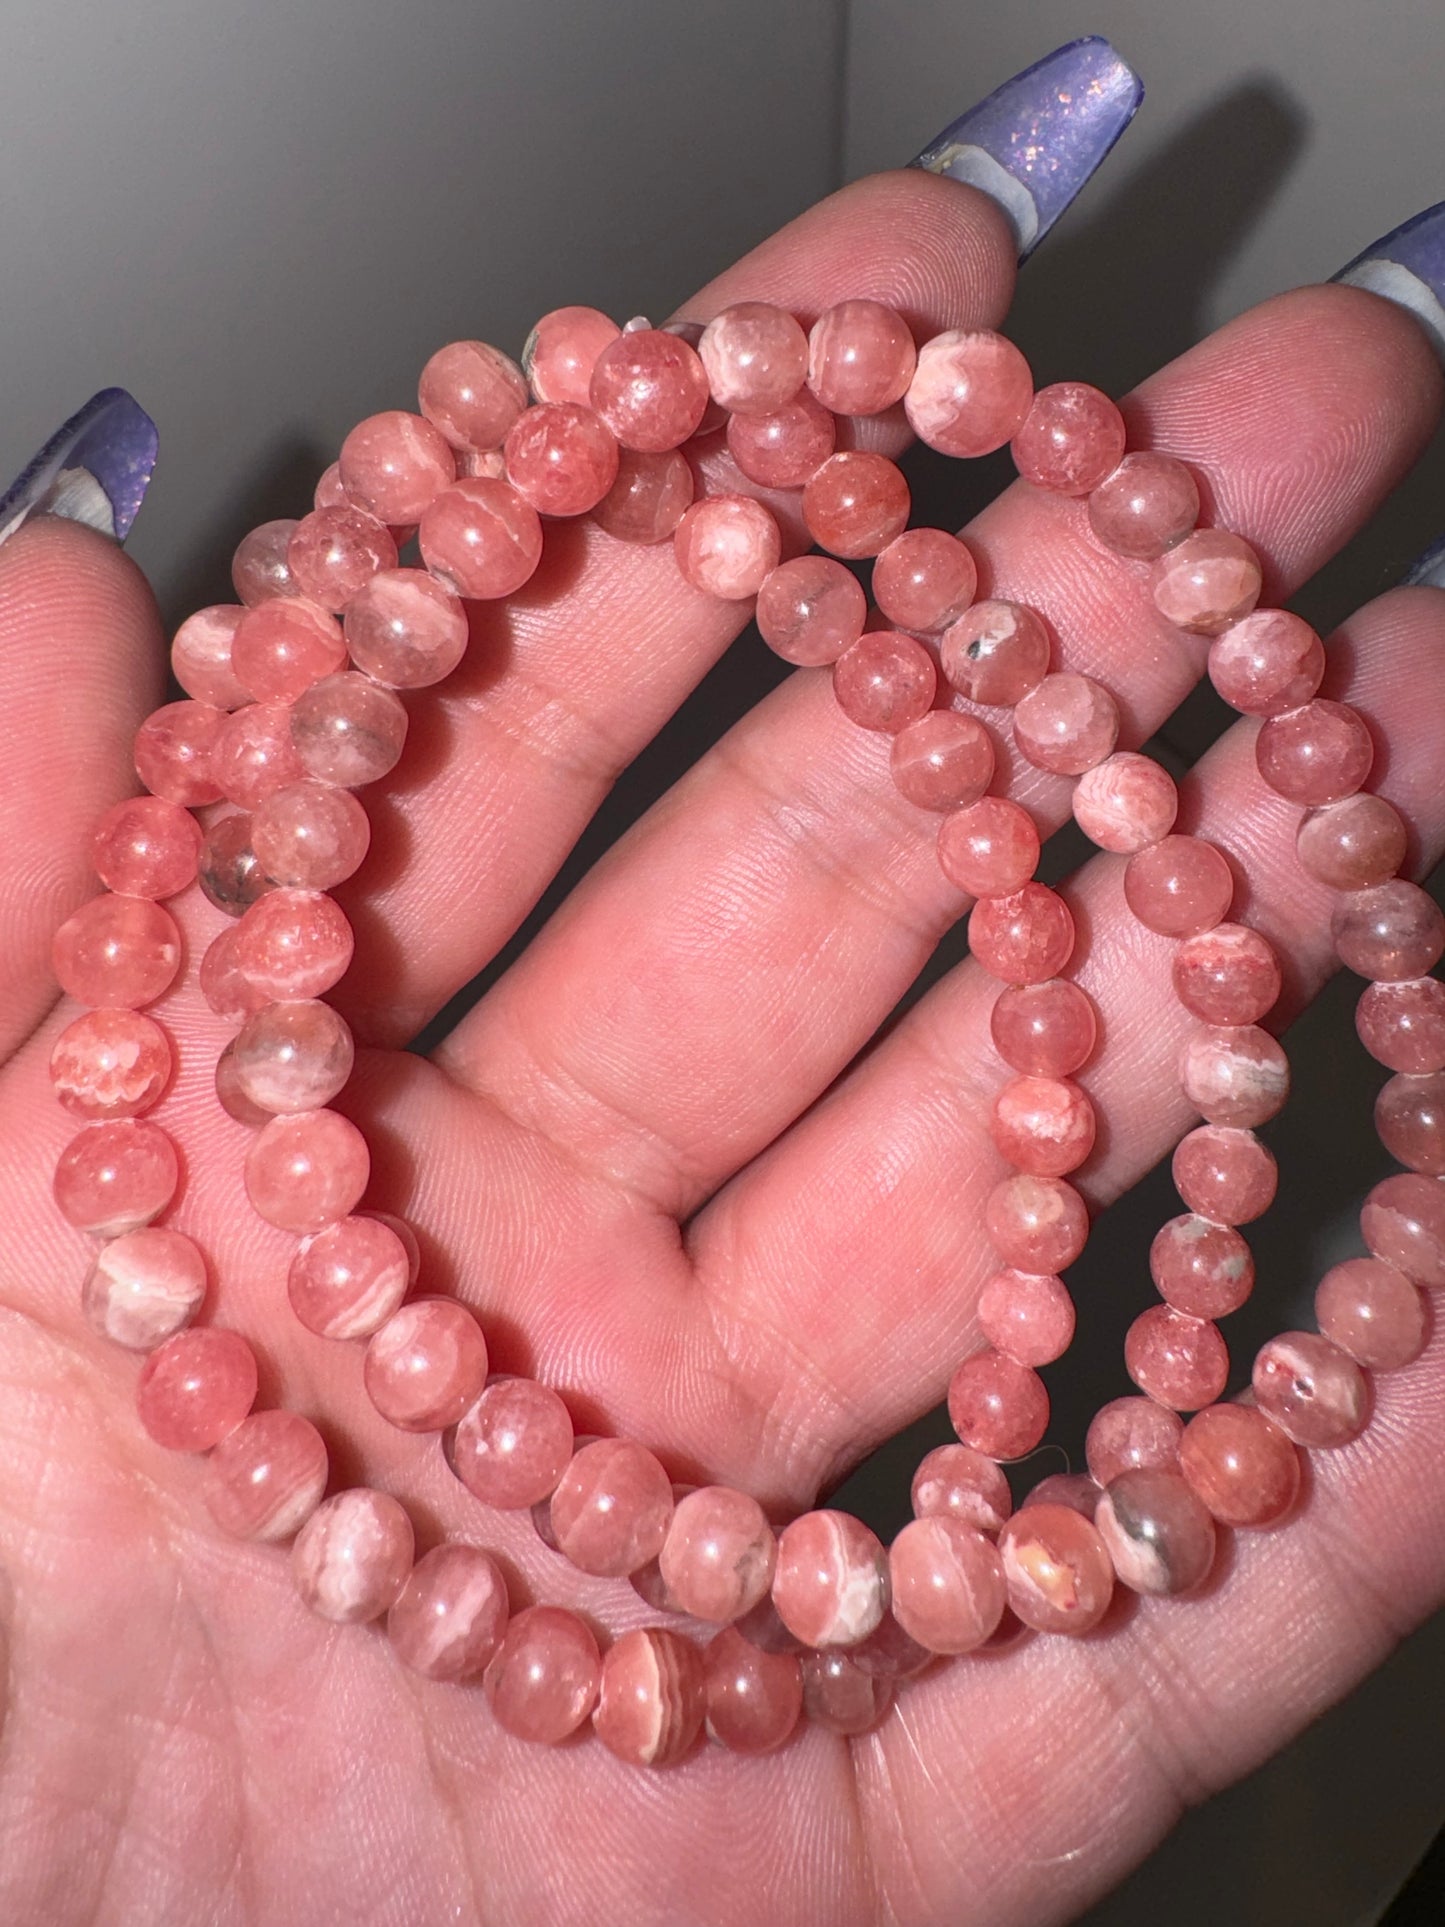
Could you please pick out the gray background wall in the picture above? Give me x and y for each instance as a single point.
(262, 219)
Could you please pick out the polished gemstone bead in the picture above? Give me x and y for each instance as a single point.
(1402, 1025)
(254, 755)
(1391, 932)
(856, 503)
(756, 357)
(830, 1584)
(232, 1099)
(1352, 844)
(944, 761)
(885, 680)
(1044, 1125)
(1315, 754)
(310, 836)
(113, 1177)
(995, 653)
(1071, 439)
(1266, 663)
(426, 1365)
(718, 1557)
(648, 498)
(810, 610)
(265, 1478)
(924, 579)
(293, 1057)
(726, 545)
(612, 1507)
(348, 730)
(990, 848)
(784, 447)
(1241, 1465)
(143, 1286)
(1076, 1490)
(258, 568)
(650, 388)
(513, 1444)
(1227, 975)
(1026, 1315)
(406, 630)
(1126, 802)
(562, 350)
(1179, 886)
(1207, 581)
(117, 951)
(652, 1697)
(293, 943)
(543, 1680)
(1148, 504)
(173, 752)
(1236, 1075)
(955, 1482)
(335, 552)
(1057, 1574)
(1205, 1270)
(1403, 1221)
(111, 1063)
(1036, 1224)
(839, 1697)
(201, 656)
(753, 1698)
(394, 465)
(479, 539)
(449, 1618)
(970, 393)
(328, 492)
(407, 1236)
(1158, 1533)
(473, 393)
(1130, 1432)
(1373, 1313)
(1178, 1360)
(1023, 938)
(1066, 724)
(998, 1405)
(304, 1172)
(195, 1387)
(1044, 1029)
(1410, 1118)
(353, 1556)
(284, 646)
(348, 1279)
(888, 1652)
(1225, 1174)
(223, 985)
(947, 1584)
(860, 357)
(230, 872)
(1311, 1389)
(561, 457)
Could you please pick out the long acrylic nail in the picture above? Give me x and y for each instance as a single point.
(1427, 571)
(1037, 139)
(1408, 266)
(94, 469)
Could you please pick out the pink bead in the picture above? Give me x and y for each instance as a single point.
(544, 1679)
(232, 1099)
(650, 388)
(1403, 1221)
(265, 1478)
(1225, 1174)
(995, 653)
(955, 1482)
(195, 1387)
(328, 492)
(1311, 1389)
(114, 1177)
(947, 1584)
(839, 1697)
(718, 1558)
(426, 1365)
(335, 552)
(925, 579)
(753, 1698)
(1158, 1533)
(1180, 1361)
(726, 545)
(146, 847)
(1392, 932)
(225, 989)
(201, 656)
(254, 755)
(1402, 1025)
(830, 1586)
(944, 761)
(306, 1171)
(1066, 724)
(1316, 754)
(885, 681)
(1352, 844)
(1410, 1118)
(1149, 503)
(293, 943)
(513, 1445)
(1241, 1465)
(998, 1406)
(473, 393)
(449, 1618)
(310, 836)
(230, 874)
(861, 357)
(856, 503)
(117, 951)
(1236, 1075)
(562, 350)
(1267, 663)
(1126, 802)
(756, 357)
(1373, 1313)
(1027, 1316)
(647, 501)
(782, 448)
(612, 1508)
(810, 610)
(408, 1240)
(1044, 1029)
(561, 457)
(888, 1652)
(283, 647)
(293, 1057)
(353, 1556)
(1058, 1576)
(970, 393)
(1071, 439)
(348, 730)
(1130, 1432)
(1178, 887)
(259, 569)
(347, 1280)
(407, 631)
(1044, 1125)
(1202, 1269)
(1227, 975)
(143, 1286)
(1036, 1224)
(111, 1063)
(394, 465)
(990, 848)
(173, 752)
(1022, 938)
(1076, 1490)
(479, 539)
(652, 1697)
(1207, 581)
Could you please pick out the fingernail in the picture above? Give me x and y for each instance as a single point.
(94, 469)
(1408, 267)
(1427, 571)
(1037, 139)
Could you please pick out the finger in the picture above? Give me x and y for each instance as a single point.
(725, 962)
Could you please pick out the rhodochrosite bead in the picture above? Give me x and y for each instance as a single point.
(1225, 1173)
(254, 756)
(725, 546)
(1036, 1224)
(991, 847)
(1353, 843)
(1311, 1389)
(426, 1364)
(1403, 1221)
(562, 458)
(562, 349)
(1373, 1312)
(117, 951)
(449, 1618)
(997, 1406)
(1077, 1491)
(292, 944)
(258, 568)
(1392, 932)
(347, 1280)
(1207, 581)
(970, 392)
(1157, 1531)
(924, 579)
(1022, 938)
(1045, 1029)
(753, 1698)
(1070, 440)
(266, 1478)
(143, 1286)
(830, 1585)
(855, 503)
(146, 847)
(612, 1507)
(860, 357)
(840, 1697)
(173, 752)
(394, 465)
(810, 610)
(646, 502)
(284, 646)
(955, 1482)
(1066, 723)
(1241, 1465)
(201, 655)
(352, 1556)
(292, 1057)
(114, 1177)
(995, 652)
(334, 552)
(1402, 1025)
(782, 448)
(1266, 663)
(310, 836)
(1203, 1269)
(886, 681)
(1179, 886)
(348, 730)
(943, 761)
(1149, 503)
(543, 1681)
(947, 1584)
(1044, 1125)
(230, 874)
(1410, 1118)
(405, 629)
(513, 1444)
(1057, 1573)
(1234, 1074)
(650, 388)
(651, 1697)
(473, 393)
(1126, 802)
(1128, 1433)
(756, 357)
(718, 1557)
(480, 539)
(306, 1171)
(111, 1063)
(1178, 1360)
(1227, 975)
(1318, 753)
(228, 993)
(196, 1387)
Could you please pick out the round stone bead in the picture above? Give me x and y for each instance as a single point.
(394, 465)
(890, 1653)
(756, 357)
(884, 681)
(970, 393)
(334, 552)
(562, 350)
(753, 1698)
(1205, 1270)
(648, 498)
(258, 568)
(650, 388)
(111, 1063)
(513, 1444)
(146, 847)
(1410, 1120)
(1178, 887)
(947, 1584)
(1066, 723)
(1071, 439)
(1266, 663)
(1023, 938)
(143, 1286)
(353, 1556)
(1158, 1533)
(561, 457)
(201, 655)
(309, 835)
(1391, 932)
(944, 761)
(955, 1482)
(1403, 1221)
(924, 579)
(348, 730)
(225, 989)
(408, 1240)
(173, 753)
(1373, 1313)
(1318, 753)
(449, 1618)
(726, 545)
(1076, 1490)
(293, 1057)
(652, 1697)
(292, 944)
(1057, 1573)
(1036, 1224)
(1042, 1124)
(195, 1387)
(1353, 843)
(856, 503)
(991, 847)
(1225, 1174)
(997, 1405)
(1125, 803)
(1402, 1025)
(426, 1365)
(839, 1697)
(306, 1171)
(544, 1678)
(861, 357)
(114, 1177)
(348, 1279)
(1026, 1315)
(406, 630)
(479, 539)
(1312, 1390)
(830, 1583)
(1044, 1030)
(995, 653)
(1145, 507)
(1236, 1075)
(265, 1479)
(718, 1558)
(810, 610)
(232, 1099)
(611, 1508)
(1180, 1361)
(1227, 975)
(1207, 581)
(115, 951)
(284, 646)
(784, 447)
(1240, 1464)
(254, 755)
(1128, 1433)
(230, 871)
(328, 492)
(473, 393)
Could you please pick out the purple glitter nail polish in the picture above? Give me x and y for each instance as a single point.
(94, 469)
